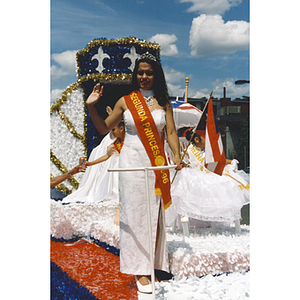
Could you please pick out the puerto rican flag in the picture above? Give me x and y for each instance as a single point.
(185, 115)
(215, 159)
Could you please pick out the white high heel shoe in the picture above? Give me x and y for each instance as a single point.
(144, 288)
(144, 296)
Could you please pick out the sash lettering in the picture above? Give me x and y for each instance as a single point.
(152, 142)
(118, 145)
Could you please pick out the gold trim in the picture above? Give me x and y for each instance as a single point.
(69, 125)
(74, 183)
(61, 187)
(64, 97)
(167, 205)
(104, 77)
(112, 42)
(241, 186)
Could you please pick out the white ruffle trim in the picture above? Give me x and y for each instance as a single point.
(196, 264)
(85, 219)
(233, 286)
(204, 252)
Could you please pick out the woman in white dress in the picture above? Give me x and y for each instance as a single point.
(146, 112)
(203, 195)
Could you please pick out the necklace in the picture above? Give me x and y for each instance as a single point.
(149, 101)
(148, 96)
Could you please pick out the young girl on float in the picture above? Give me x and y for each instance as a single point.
(115, 148)
(97, 184)
(203, 195)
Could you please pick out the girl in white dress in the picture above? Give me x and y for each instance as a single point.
(201, 194)
(148, 102)
(98, 185)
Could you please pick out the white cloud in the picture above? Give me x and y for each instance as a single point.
(199, 94)
(175, 90)
(211, 6)
(55, 94)
(166, 41)
(232, 90)
(173, 75)
(210, 35)
(178, 91)
(66, 64)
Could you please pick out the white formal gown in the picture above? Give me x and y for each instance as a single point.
(97, 184)
(134, 245)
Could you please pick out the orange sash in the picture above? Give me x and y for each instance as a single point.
(151, 140)
(118, 145)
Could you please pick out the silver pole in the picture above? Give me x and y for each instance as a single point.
(150, 233)
(146, 169)
(141, 168)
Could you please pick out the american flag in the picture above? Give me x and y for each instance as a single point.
(215, 159)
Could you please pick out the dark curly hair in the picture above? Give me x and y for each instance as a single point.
(159, 85)
(188, 135)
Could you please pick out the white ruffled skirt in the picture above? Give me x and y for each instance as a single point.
(208, 196)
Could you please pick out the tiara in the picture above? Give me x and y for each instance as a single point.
(147, 55)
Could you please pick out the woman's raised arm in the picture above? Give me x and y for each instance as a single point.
(104, 126)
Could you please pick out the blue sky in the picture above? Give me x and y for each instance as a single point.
(205, 40)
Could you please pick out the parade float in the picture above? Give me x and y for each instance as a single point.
(84, 238)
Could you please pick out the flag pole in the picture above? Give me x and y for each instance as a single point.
(186, 89)
(194, 130)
